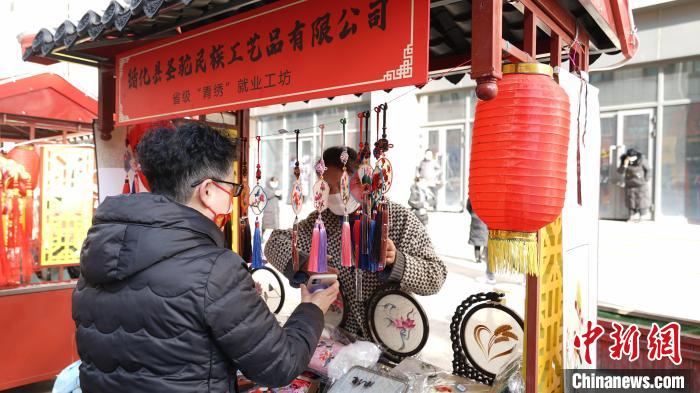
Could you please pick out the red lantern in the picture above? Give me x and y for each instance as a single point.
(517, 177)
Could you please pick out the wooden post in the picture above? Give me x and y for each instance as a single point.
(532, 331)
(486, 46)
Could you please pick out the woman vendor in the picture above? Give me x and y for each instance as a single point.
(411, 260)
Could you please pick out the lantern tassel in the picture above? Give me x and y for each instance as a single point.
(322, 249)
(313, 255)
(346, 257)
(513, 252)
(257, 262)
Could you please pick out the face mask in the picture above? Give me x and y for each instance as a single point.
(335, 204)
(220, 219)
(274, 184)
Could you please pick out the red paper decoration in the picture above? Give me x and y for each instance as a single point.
(517, 176)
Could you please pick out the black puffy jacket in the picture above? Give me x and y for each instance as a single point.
(161, 306)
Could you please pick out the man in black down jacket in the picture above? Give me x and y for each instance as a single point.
(161, 305)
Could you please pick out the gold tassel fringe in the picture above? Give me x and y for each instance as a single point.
(513, 252)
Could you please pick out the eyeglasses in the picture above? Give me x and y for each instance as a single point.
(235, 190)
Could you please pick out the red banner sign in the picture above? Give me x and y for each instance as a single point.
(288, 51)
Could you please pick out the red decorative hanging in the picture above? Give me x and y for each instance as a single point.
(517, 177)
(29, 159)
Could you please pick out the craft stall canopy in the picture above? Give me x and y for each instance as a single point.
(486, 32)
(178, 40)
(43, 106)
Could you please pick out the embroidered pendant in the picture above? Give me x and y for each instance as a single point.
(297, 198)
(258, 200)
(321, 192)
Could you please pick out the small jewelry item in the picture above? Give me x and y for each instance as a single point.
(258, 202)
(244, 225)
(346, 237)
(297, 198)
(318, 257)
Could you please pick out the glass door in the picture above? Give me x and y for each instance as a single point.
(447, 144)
(621, 131)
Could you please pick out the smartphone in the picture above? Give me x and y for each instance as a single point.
(319, 282)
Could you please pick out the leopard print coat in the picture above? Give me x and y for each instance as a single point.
(417, 268)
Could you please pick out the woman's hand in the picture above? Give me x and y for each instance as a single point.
(322, 299)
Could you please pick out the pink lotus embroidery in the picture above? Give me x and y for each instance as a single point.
(404, 326)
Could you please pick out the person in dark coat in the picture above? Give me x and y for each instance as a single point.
(418, 201)
(271, 215)
(479, 238)
(161, 305)
(637, 174)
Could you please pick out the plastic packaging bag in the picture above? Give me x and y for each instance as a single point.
(510, 379)
(68, 381)
(360, 353)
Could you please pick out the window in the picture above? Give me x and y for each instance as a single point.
(682, 80)
(626, 86)
(270, 125)
(272, 155)
(680, 166)
(447, 106)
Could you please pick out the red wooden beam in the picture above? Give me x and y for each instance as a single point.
(557, 19)
(514, 54)
(628, 40)
(555, 50)
(486, 46)
(530, 39)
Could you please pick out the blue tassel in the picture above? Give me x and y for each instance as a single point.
(257, 261)
(322, 249)
(372, 247)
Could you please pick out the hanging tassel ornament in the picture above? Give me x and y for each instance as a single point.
(244, 225)
(258, 203)
(382, 178)
(319, 243)
(297, 198)
(346, 239)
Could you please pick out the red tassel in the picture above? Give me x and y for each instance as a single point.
(346, 241)
(313, 255)
(137, 187)
(29, 215)
(126, 189)
(356, 235)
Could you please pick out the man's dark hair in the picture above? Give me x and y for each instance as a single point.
(174, 159)
(331, 157)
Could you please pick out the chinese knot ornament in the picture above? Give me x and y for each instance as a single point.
(517, 175)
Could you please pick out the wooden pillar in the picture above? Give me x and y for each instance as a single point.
(243, 127)
(486, 46)
(555, 50)
(106, 86)
(532, 328)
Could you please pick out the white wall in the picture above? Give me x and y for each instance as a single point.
(29, 16)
